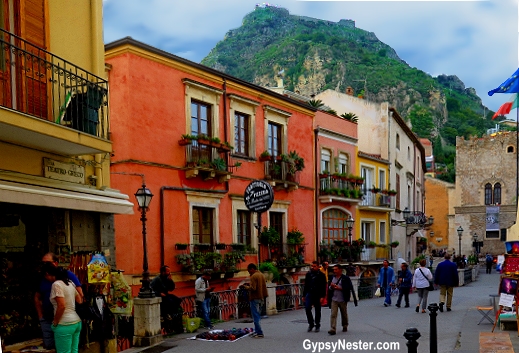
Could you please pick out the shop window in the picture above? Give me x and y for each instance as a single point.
(203, 225)
(333, 226)
(244, 227)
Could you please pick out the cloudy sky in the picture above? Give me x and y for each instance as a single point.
(474, 40)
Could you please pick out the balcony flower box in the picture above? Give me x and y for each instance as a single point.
(181, 246)
(202, 246)
(220, 246)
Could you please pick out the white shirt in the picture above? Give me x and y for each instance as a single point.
(419, 281)
(60, 289)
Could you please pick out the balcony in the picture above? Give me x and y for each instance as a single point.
(377, 202)
(335, 188)
(208, 160)
(45, 101)
(281, 173)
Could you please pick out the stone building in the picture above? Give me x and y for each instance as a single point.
(485, 196)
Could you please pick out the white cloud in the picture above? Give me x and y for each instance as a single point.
(476, 41)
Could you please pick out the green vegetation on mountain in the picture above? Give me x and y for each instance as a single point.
(314, 55)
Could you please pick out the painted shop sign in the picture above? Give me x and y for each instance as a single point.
(259, 196)
(63, 171)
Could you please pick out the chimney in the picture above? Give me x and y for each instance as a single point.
(349, 91)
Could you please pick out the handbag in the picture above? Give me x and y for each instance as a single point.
(378, 293)
(431, 284)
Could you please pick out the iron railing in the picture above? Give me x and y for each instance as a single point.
(281, 170)
(340, 186)
(367, 287)
(289, 296)
(206, 156)
(38, 83)
(377, 200)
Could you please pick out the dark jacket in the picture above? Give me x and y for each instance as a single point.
(407, 278)
(446, 274)
(347, 290)
(315, 284)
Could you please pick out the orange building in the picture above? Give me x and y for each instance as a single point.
(438, 195)
(163, 107)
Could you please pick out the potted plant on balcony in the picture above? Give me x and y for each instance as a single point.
(202, 246)
(359, 180)
(181, 246)
(372, 244)
(186, 139)
(324, 174)
(295, 236)
(215, 142)
(238, 246)
(185, 261)
(392, 192)
(219, 164)
(220, 246)
(269, 236)
(225, 147)
(375, 190)
(394, 244)
(269, 267)
(384, 192)
(203, 139)
(265, 156)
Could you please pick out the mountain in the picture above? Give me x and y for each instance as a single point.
(314, 55)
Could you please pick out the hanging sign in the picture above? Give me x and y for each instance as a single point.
(259, 196)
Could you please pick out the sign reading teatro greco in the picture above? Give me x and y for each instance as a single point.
(63, 171)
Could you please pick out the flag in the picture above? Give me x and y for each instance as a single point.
(509, 86)
(506, 108)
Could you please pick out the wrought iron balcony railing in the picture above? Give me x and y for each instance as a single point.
(276, 169)
(339, 186)
(377, 200)
(36, 82)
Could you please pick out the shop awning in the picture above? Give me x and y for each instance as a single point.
(108, 201)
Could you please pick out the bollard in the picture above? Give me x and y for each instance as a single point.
(412, 335)
(433, 337)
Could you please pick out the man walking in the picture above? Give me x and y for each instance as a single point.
(203, 298)
(405, 280)
(446, 276)
(340, 290)
(42, 302)
(257, 294)
(386, 278)
(489, 260)
(313, 295)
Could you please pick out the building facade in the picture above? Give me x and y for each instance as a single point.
(55, 192)
(199, 137)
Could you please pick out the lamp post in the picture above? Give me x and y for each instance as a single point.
(143, 196)
(349, 224)
(460, 233)
(476, 244)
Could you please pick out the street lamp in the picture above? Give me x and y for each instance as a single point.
(476, 243)
(349, 224)
(460, 233)
(143, 196)
(406, 213)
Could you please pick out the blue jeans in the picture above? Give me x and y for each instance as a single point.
(316, 303)
(67, 337)
(255, 307)
(48, 335)
(205, 309)
(387, 292)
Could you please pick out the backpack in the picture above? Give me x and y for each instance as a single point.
(490, 258)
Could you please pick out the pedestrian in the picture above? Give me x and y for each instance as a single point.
(386, 278)
(66, 324)
(163, 286)
(431, 260)
(257, 294)
(405, 280)
(203, 298)
(42, 302)
(421, 279)
(446, 277)
(340, 291)
(489, 260)
(324, 269)
(314, 292)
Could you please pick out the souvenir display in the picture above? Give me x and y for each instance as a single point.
(122, 302)
(98, 270)
(224, 335)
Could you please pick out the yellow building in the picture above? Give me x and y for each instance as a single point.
(372, 220)
(54, 141)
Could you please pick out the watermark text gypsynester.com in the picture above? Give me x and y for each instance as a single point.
(343, 345)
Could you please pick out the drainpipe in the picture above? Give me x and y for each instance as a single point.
(224, 109)
(163, 189)
(316, 177)
(390, 117)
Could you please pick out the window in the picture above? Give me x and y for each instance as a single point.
(366, 231)
(274, 139)
(244, 227)
(200, 118)
(510, 149)
(203, 225)
(382, 179)
(333, 227)
(241, 134)
(397, 141)
(343, 163)
(367, 174)
(276, 221)
(325, 160)
(497, 193)
(408, 153)
(382, 232)
(492, 234)
(492, 194)
(398, 192)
